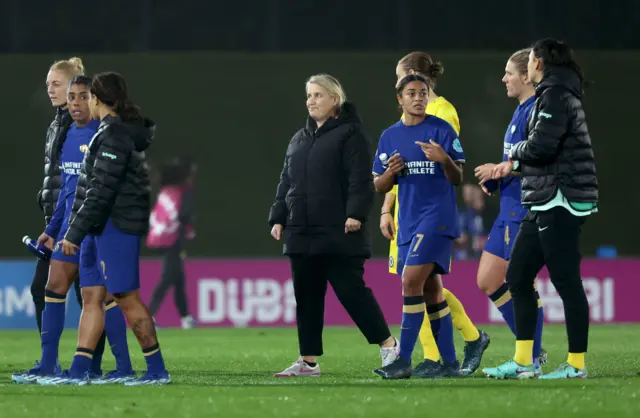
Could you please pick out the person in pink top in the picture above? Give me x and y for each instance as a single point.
(170, 228)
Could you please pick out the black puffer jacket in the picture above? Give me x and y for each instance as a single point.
(557, 152)
(56, 134)
(114, 181)
(325, 180)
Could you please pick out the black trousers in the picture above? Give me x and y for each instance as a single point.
(38, 285)
(172, 275)
(310, 277)
(550, 238)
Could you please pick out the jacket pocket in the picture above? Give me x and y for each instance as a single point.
(295, 211)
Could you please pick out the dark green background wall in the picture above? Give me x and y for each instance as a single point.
(237, 112)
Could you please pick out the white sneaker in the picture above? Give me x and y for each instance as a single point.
(388, 355)
(187, 322)
(299, 368)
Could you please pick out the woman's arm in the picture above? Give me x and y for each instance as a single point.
(389, 202)
(278, 212)
(356, 161)
(550, 127)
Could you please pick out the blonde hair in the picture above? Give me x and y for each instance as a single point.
(71, 67)
(329, 83)
(520, 59)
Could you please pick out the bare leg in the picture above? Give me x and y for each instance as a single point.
(92, 319)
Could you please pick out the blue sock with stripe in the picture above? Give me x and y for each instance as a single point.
(52, 327)
(501, 298)
(442, 329)
(81, 363)
(537, 338)
(115, 326)
(412, 317)
(153, 357)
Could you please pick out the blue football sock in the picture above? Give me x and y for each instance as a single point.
(537, 338)
(96, 364)
(502, 299)
(115, 327)
(412, 317)
(442, 328)
(153, 357)
(81, 362)
(52, 327)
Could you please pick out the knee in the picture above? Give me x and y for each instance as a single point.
(59, 280)
(57, 286)
(412, 283)
(517, 286)
(487, 286)
(411, 288)
(568, 285)
(349, 289)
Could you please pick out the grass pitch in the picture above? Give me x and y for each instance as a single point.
(227, 373)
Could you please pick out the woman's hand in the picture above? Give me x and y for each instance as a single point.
(484, 172)
(387, 226)
(68, 248)
(46, 240)
(502, 170)
(433, 151)
(395, 164)
(352, 225)
(276, 232)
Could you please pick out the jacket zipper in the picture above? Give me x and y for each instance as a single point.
(306, 179)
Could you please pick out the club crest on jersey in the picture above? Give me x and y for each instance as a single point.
(457, 145)
(392, 261)
(83, 148)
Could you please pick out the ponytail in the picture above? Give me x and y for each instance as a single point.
(436, 69)
(128, 111)
(111, 89)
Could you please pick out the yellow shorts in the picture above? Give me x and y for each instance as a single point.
(393, 256)
(393, 246)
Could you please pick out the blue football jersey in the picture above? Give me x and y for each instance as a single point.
(427, 200)
(510, 206)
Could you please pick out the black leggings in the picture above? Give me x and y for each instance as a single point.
(550, 238)
(172, 275)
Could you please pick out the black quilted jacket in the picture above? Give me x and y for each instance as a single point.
(114, 181)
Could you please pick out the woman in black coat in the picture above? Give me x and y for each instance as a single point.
(560, 189)
(321, 209)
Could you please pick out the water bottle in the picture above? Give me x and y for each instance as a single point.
(384, 158)
(42, 252)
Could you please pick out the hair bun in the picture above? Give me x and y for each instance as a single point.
(77, 62)
(436, 69)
